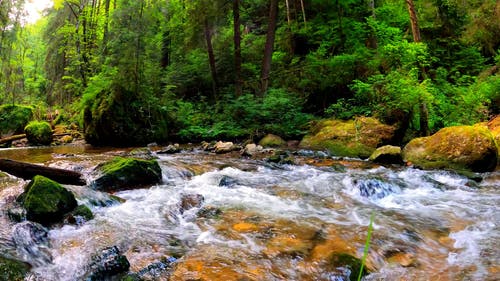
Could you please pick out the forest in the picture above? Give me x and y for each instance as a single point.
(136, 71)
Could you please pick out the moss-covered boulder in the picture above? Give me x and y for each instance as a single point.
(494, 126)
(46, 201)
(13, 270)
(469, 148)
(387, 154)
(354, 138)
(39, 132)
(126, 173)
(272, 141)
(13, 118)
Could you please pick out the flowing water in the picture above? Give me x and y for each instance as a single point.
(261, 221)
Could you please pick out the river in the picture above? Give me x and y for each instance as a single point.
(262, 221)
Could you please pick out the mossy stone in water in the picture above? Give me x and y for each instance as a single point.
(13, 270)
(46, 201)
(272, 141)
(125, 173)
(344, 261)
(39, 133)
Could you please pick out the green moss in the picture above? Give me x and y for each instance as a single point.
(272, 141)
(387, 154)
(84, 212)
(12, 270)
(121, 173)
(350, 262)
(39, 132)
(13, 118)
(46, 201)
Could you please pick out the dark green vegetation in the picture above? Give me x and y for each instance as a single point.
(124, 173)
(132, 72)
(12, 270)
(39, 132)
(13, 118)
(46, 201)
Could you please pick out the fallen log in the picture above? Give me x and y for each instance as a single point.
(28, 171)
(12, 138)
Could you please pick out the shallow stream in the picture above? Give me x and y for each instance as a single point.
(261, 221)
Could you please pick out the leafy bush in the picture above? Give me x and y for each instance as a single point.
(13, 118)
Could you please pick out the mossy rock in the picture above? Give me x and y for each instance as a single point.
(353, 138)
(13, 118)
(46, 201)
(341, 261)
(13, 270)
(494, 127)
(272, 141)
(126, 173)
(469, 148)
(387, 154)
(39, 132)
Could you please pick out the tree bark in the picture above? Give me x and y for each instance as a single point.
(12, 138)
(237, 47)
(211, 57)
(268, 49)
(414, 21)
(28, 171)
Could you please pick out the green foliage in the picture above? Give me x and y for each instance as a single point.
(38, 132)
(13, 118)
(13, 270)
(367, 246)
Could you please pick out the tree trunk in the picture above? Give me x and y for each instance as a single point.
(268, 50)
(211, 57)
(288, 16)
(237, 47)
(303, 12)
(414, 21)
(12, 138)
(28, 171)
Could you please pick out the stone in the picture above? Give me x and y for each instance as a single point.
(387, 154)
(271, 140)
(126, 173)
(469, 148)
(170, 149)
(353, 138)
(189, 201)
(224, 147)
(80, 215)
(107, 264)
(494, 127)
(32, 242)
(38, 133)
(46, 201)
(251, 149)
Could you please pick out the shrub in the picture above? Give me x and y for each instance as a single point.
(13, 118)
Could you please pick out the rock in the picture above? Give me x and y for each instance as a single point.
(13, 270)
(354, 138)
(375, 189)
(227, 181)
(32, 240)
(158, 270)
(109, 263)
(209, 212)
(281, 157)
(170, 149)
(346, 267)
(387, 154)
(142, 153)
(470, 148)
(66, 139)
(251, 149)
(38, 132)
(208, 146)
(126, 173)
(225, 147)
(46, 201)
(17, 213)
(189, 201)
(494, 127)
(80, 215)
(272, 141)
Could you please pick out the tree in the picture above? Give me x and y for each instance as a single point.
(269, 46)
(237, 47)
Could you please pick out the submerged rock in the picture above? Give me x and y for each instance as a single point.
(345, 267)
(387, 154)
(156, 271)
(32, 240)
(13, 270)
(126, 173)
(46, 201)
(109, 263)
(354, 138)
(227, 181)
(470, 148)
(80, 215)
(375, 189)
(272, 141)
(189, 201)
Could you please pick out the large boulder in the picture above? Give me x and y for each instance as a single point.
(126, 173)
(13, 270)
(107, 264)
(468, 148)
(39, 133)
(353, 138)
(494, 126)
(46, 201)
(272, 141)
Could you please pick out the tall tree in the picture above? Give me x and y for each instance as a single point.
(269, 46)
(415, 29)
(237, 47)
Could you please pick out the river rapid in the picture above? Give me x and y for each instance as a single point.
(263, 221)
